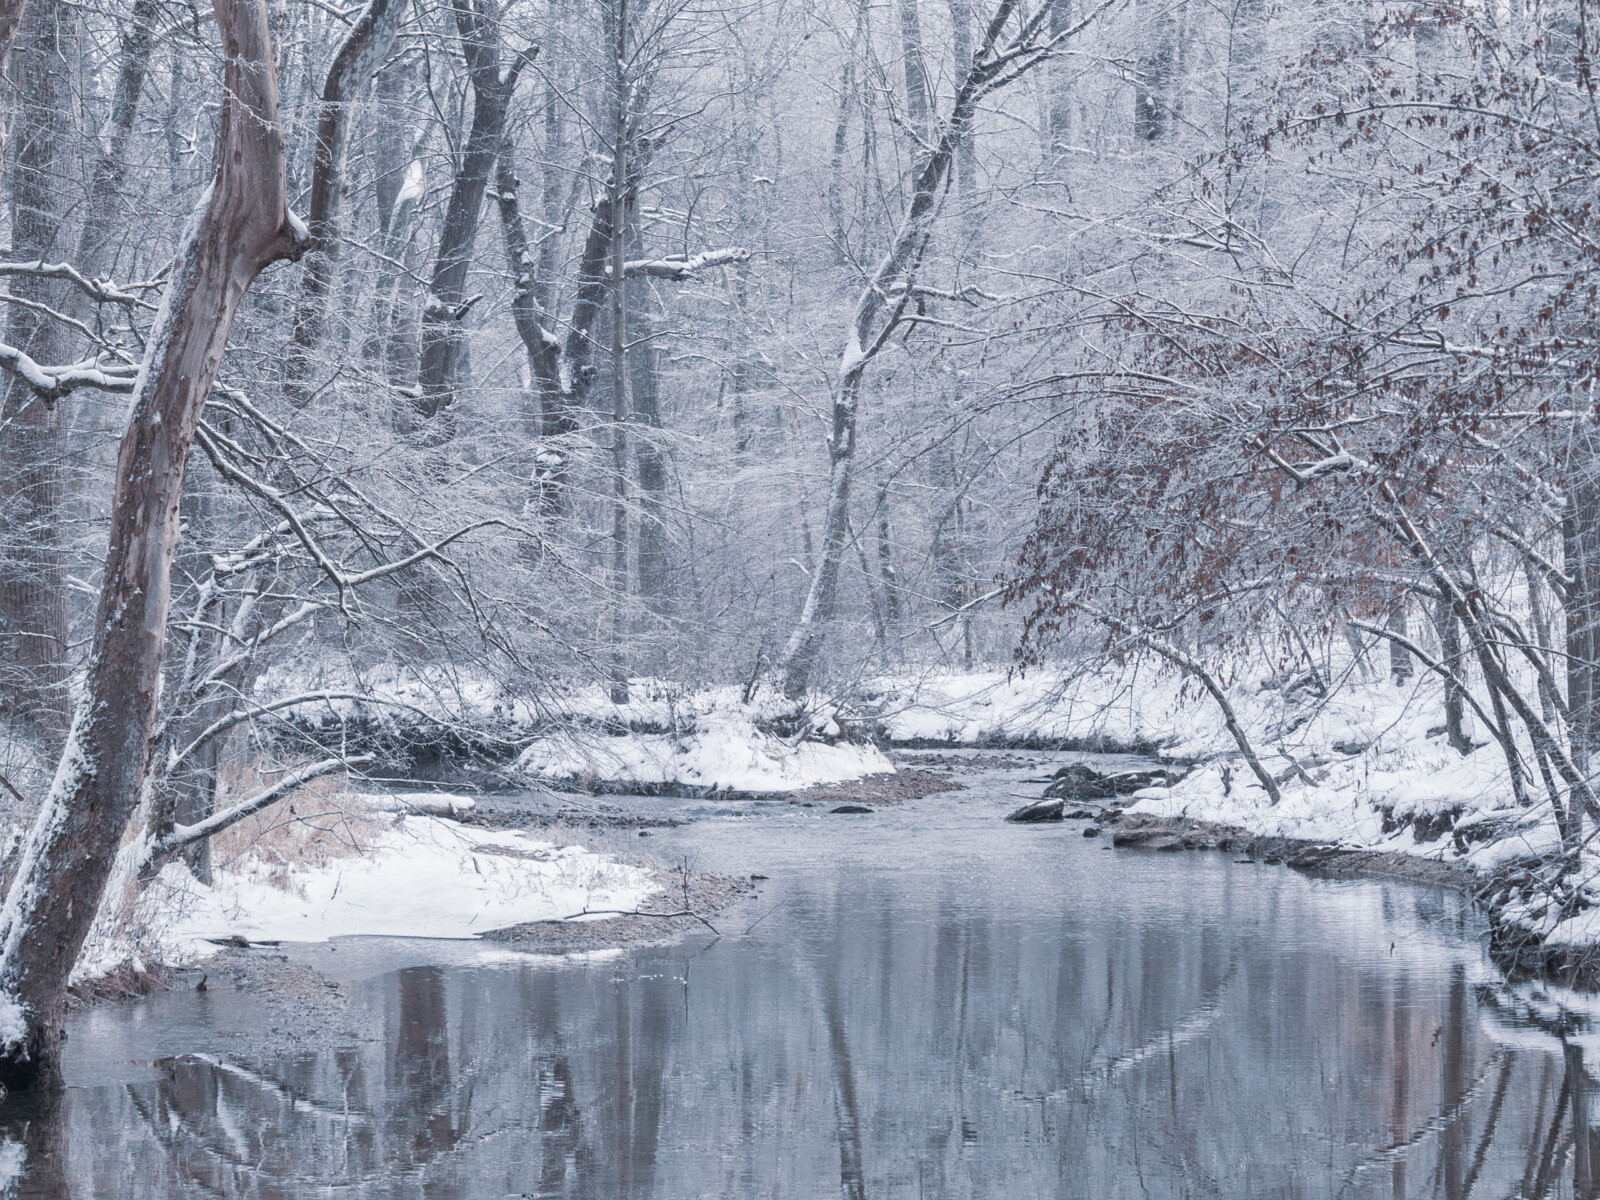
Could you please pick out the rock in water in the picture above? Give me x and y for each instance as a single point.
(1078, 781)
(1041, 810)
(851, 808)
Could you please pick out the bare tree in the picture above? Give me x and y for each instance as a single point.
(882, 304)
(242, 225)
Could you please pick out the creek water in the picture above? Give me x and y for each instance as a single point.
(922, 1002)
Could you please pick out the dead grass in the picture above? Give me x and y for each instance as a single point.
(315, 825)
(124, 982)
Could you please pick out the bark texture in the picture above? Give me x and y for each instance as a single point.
(242, 224)
(357, 59)
(33, 450)
(440, 365)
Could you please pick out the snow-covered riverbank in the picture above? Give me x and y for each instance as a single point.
(1362, 765)
(375, 872)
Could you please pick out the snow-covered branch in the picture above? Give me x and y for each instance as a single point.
(676, 267)
(100, 290)
(52, 383)
(184, 835)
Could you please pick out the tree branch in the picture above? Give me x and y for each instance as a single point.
(184, 835)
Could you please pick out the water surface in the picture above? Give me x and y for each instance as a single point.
(924, 1002)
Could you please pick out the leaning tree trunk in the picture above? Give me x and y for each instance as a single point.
(33, 451)
(241, 226)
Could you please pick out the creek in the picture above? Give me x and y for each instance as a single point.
(923, 1001)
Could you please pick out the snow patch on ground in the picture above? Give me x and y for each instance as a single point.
(709, 739)
(418, 876)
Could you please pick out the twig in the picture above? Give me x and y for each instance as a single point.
(635, 912)
(6, 783)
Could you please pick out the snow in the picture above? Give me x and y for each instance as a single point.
(415, 876)
(724, 750)
(13, 1022)
(434, 804)
(1580, 930)
(666, 736)
(711, 739)
(1356, 768)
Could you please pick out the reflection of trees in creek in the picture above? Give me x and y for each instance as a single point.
(1208, 1046)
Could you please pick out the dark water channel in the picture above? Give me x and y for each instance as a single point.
(924, 1002)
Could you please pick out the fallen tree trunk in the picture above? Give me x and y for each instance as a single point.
(242, 224)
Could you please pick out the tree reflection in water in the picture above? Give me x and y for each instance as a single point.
(1179, 1028)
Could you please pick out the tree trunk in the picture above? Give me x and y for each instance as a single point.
(542, 347)
(644, 379)
(242, 225)
(886, 571)
(440, 365)
(358, 57)
(918, 103)
(619, 359)
(387, 303)
(1059, 86)
(1450, 654)
(111, 166)
(11, 13)
(966, 165)
(1155, 85)
(1399, 660)
(577, 371)
(1539, 619)
(33, 451)
(848, 98)
(398, 189)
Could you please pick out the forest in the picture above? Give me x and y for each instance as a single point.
(479, 415)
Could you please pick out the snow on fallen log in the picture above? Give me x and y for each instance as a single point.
(433, 804)
(710, 740)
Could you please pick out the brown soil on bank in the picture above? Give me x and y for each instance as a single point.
(1137, 831)
(696, 899)
(908, 783)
